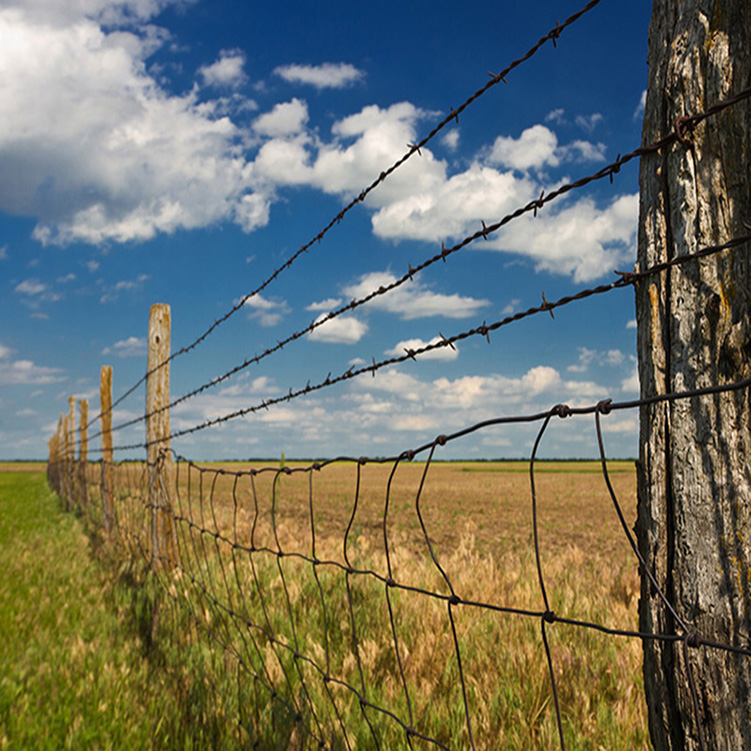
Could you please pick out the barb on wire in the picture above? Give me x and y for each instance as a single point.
(453, 116)
(608, 171)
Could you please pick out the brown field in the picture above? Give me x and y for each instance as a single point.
(477, 539)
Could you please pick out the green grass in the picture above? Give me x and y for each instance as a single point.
(79, 667)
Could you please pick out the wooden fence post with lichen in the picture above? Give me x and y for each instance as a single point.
(159, 458)
(694, 330)
(105, 404)
(83, 452)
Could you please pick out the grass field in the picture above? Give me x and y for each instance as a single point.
(478, 520)
(75, 669)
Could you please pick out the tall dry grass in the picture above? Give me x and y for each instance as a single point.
(289, 647)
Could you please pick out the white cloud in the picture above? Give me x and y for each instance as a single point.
(449, 207)
(631, 324)
(631, 385)
(381, 137)
(111, 12)
(611, 357)
(535, 147)
(412, 300)
(442, 353)
(556, 116)
(31, 287)
(92, 266)
(327, 75)
(341, 330)
(226, 71)
(4, 253)
(24, 372)
(96, 149)
(285, 119)
(329, 304)
(579, 239)
(266, 312)
(450, 139)
(133, 346)
(588, 122)
(639, 111)
(71, 277)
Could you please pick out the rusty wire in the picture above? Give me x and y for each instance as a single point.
(682, 125)
(495, 78)
(219, 574)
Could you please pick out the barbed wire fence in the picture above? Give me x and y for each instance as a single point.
(240, 553)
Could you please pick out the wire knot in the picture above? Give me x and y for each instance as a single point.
(441, 440)
(454, 599)
(549, 616)
(605, 406)
(693, 640)
(562, 410)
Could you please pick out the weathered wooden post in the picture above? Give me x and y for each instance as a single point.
(159, 458)
(105, 407)
(694, 330)
(60, 456)
(71, 457)
(83, 452)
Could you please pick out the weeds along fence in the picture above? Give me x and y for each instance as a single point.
(337, 607)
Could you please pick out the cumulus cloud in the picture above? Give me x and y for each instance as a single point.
(449, 207)
(266, 312)
(285, 119)
(537, 147)
(341, 330)
(328, 304)
(24, 372)
(324, 76)
(412, 300)
(133, 346)
(443, 353)
(226, 71)
(31, 287)
(94, 148)
(580, 239)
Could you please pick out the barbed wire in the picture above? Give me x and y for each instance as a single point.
(625, 279)
(213, 555)
(678, 134)
(495, 78)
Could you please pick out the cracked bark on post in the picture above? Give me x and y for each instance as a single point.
(694, 330)
(163, 553)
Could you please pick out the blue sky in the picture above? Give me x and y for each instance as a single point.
(178, 151)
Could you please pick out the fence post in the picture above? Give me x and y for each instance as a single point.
(159, 458)
(105, 407)
(694, 331)
(60, 456)
(71, 458)
(83, 451)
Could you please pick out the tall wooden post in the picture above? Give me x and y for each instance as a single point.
(60, 463)
(71, 457)
(105, 408)
(83, 452)
(163, 553)
(694, 330)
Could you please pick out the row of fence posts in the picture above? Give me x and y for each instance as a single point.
(69, 476)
